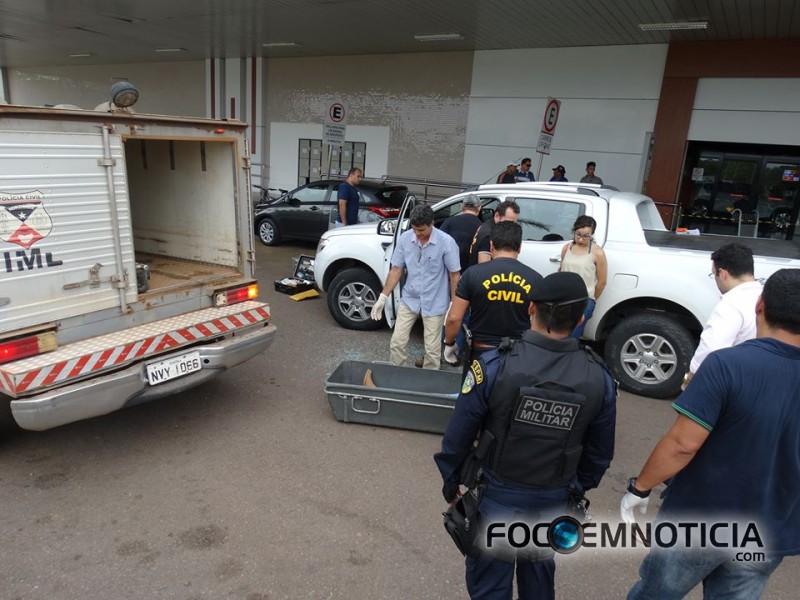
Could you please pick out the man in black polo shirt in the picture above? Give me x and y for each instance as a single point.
(462, 227)
(508, 210)
(497, 293)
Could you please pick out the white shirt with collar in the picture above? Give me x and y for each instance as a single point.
(732, 322)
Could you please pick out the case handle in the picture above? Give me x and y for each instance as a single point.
(360, 410)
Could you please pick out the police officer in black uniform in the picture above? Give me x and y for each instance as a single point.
(551, 407)
(495, 292)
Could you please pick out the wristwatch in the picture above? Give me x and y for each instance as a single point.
(632, 489)
(449, 344)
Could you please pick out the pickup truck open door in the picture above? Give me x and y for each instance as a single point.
(403, 223)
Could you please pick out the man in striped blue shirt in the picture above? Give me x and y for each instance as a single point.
(431, 259)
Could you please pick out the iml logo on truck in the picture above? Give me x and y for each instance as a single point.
(24, 221)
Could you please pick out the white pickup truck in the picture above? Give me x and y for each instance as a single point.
(650, 315)
(126, 260)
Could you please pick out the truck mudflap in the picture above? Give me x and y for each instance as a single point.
(91, 357)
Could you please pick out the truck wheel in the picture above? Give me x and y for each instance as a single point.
(351, 296)
(649, 355)
(268, 232)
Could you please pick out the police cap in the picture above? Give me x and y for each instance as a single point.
(560, 288)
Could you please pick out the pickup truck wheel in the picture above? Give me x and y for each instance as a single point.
(351, 296)
(649, 355)
(268, 232)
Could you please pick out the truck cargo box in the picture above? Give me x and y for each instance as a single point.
(126, 259)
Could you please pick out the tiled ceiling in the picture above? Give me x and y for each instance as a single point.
(47, 32)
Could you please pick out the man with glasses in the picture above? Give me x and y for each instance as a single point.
(348, 196)
(733, 319)
(430, 258)
(730, 455)
(524, 174)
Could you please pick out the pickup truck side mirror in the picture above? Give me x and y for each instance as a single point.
(387, 227)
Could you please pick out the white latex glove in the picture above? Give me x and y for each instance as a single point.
(377, 310)
(631, 504)
(450, 354)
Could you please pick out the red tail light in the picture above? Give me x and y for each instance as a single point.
(384, 212)
(27, 346)
(238, 295)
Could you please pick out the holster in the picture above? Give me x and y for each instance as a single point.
(461, 520)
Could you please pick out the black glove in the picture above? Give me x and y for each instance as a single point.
(449, 491)
(578, 504)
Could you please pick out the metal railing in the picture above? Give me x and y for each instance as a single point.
(424, 184)
(738, 220)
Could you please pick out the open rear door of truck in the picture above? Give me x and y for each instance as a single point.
(65, 230)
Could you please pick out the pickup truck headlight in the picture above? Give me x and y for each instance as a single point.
(322, 243)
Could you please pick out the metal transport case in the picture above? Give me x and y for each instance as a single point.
(302, 280)
(403, 397)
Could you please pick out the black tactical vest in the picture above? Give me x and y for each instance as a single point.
(540, 408)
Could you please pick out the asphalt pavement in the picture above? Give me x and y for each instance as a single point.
(248, 488)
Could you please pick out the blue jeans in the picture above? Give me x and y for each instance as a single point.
(670, 574)
(587, 314)
(491, 578)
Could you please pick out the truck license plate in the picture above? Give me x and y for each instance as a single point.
(172, 368)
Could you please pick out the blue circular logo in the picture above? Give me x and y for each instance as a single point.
(565, 535)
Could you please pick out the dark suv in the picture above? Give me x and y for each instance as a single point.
(308, 211)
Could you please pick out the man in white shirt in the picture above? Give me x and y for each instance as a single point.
(733, 319)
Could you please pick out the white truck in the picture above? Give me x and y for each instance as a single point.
(126, 260)
(650, 315)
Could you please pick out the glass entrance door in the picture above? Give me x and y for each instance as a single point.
(704, 184)
(736, 189)
(741, 189)
(723, 193)
(778, 198)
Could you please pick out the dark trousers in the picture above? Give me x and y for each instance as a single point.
(587, 314)
(491, 578)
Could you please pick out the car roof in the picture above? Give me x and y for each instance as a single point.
(373, 184)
